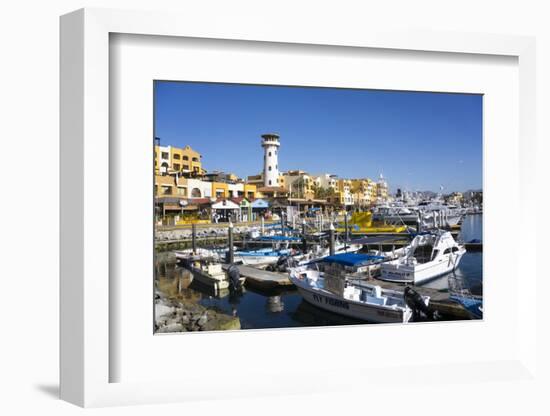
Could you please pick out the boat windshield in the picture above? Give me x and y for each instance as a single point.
(423, 254)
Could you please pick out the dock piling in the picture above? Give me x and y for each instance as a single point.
(347, 229)
(304, 241)
(194, 238)
(331, 235)
(262, 226)
(230, 242)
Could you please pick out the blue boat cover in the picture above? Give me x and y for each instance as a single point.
(351, 259)
(278, 238)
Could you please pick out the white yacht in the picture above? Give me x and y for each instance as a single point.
(437, 213)
(429, 255)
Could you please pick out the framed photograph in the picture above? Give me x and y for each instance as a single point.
(296, 213)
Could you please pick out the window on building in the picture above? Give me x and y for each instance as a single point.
(176, 156)
(195, 159)
(176, 166)
(156, 189)
(196, 193)
(269, 153)
(270, 181)
(182, 191)
(195, 169)
(219, 193)
(185, 167)
(269, 169)
(165, 155)
(185, 157)
(167, 190)
(250, 194)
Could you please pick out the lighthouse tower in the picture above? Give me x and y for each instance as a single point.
(270, 143)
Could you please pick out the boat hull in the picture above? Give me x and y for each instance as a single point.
(419, 273)
(336, 304)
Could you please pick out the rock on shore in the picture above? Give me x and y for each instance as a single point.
(178, 315)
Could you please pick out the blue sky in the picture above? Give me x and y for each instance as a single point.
(419, 141)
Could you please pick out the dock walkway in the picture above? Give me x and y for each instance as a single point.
(262, 279)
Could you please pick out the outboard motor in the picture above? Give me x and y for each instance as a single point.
(234, 277)
(280, 265)
(416, 303)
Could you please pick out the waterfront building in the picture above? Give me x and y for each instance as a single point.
(344, 195)
(327, 181)
(198, 188)
(382, 193)
(270, 144)
(171, 159)
(363, 192)
(299, 184)
(455, 198)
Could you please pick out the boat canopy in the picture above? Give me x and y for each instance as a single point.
(351, 259)
(382, 239)
(278, 238)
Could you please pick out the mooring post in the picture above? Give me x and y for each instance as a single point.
(304, 241)
(331, 236)
(230, 241)
(194, 238)
(262, 227)
(347, 231)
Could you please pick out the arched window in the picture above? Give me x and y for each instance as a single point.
(269, 153)
(270, 181)
(269, 168)
(196, 193)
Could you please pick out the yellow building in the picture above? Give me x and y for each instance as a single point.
(170, 159)
(364, 191)
(220, 190)
(170, 185)
(298, 183)
(250, 191)
(344, 194)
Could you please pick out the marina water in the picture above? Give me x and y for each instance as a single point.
(286, 308)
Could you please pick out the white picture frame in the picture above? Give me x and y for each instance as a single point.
(86, 355)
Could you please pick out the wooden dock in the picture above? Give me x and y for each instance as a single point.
(262, 279)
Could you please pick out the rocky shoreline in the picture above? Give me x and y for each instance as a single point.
(176, 313)
(174, 316)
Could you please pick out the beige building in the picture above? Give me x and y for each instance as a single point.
(170, 159)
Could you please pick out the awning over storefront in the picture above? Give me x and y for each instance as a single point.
(225, 204)
(259, 203)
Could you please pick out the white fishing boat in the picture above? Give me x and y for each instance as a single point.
(332, 288)
(428, 256)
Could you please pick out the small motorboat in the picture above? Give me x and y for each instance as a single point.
(208, 271)
(472, 304)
